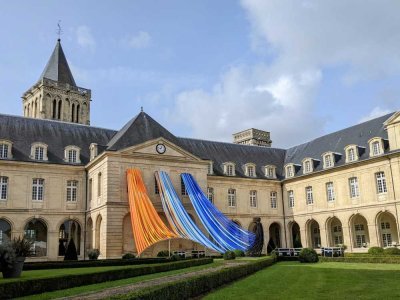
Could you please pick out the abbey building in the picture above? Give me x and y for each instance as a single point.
(62, 178)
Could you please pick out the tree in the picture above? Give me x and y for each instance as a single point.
(71, 253)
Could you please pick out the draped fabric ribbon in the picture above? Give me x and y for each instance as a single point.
(147, 226)
(177, 215)
(225, 232)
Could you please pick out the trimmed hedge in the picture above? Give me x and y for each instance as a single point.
(363, 259)
(199, 285)
(28, 266)
(375, 251)
(26, 287)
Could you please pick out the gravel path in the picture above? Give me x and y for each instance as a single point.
(147, 283)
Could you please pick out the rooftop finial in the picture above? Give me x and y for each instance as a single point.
(59, 30)
(141, 109)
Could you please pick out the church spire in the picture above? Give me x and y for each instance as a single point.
(57, 68)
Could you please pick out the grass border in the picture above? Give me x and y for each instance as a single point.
(363, 259)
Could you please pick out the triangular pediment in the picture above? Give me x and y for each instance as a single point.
(149, 148)
(395, 118)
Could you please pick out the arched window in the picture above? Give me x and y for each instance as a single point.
(36, 112)
(69, 230)
(5, 149)
(72, 154)
(99, 184)
(39, 151)
(59, 109)
(36, 231)
(5, 231)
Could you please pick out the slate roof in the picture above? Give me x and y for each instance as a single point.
(57, 68)
(220, 153)
(140, 129)
(57, 135)
(359, 135)
(22, 132)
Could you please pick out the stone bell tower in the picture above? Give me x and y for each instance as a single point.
(56, 96)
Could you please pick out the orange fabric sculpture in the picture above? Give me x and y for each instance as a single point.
(147, 226)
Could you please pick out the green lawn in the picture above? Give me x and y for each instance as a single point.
(293, 280)
(109, 284)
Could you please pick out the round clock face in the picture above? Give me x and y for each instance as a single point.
(160, 148)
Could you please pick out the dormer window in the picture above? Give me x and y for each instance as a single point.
(5, 149)
(72, 154)
(328, 160)
(93, 150)
(39, 151)
(250, 170)
(307, 165)
(375, 146)
(270, 171)
(229, 169)
(289, 171)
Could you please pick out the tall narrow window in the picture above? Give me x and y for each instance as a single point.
(270, 172)
(253, 198)
(289, 171)
(59, 109)
(37, 189)
(72, 189)
(77, 113)
(273, 196)
(156, 189)
(330, 192)
(381, 182)
(354, 190)
(309, 195)
(229, 170)
(183, 188)
(39, 153)
(73, 113)
(291, 198)
(231, 197)
(99, 184)
(54, 108)
(250, 171)
(90, 187)
(307, 166)
(3, 151)
(210, 168)
(210, 194)
(328, 161)
(3, 187)
(376, 148)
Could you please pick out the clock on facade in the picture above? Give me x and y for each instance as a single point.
(160, 148)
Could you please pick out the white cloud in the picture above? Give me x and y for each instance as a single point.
(84, 37)
(305, 38)
(375, 113)
(140, 40)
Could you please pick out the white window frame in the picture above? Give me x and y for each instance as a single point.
(307, 165)
(5, 149)
(274, 199)
(330, 191)
(37, 189)
(36, 153)
(351, 153)
(93, 151)
(72, 154)
(250, 169)
(309, 195)
(210, 169)
(229, 169)
(375, 146)
(381, 185)
(253, 198)
(72, 191)
(3, 188)
(289, 171)
(291, 198)
(354, 187)
(231, 197)
(329, 160)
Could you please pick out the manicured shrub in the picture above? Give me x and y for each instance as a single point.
(239, 253)
(128, 256)
(93, 254)
(71, 253)
(228, 255)
(375, 251)
(308, 255)
(175, 257)
(25, 287)
(199, 285)
(391, 251)
(163, 253)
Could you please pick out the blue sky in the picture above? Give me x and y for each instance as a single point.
(207, 69)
